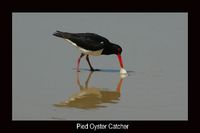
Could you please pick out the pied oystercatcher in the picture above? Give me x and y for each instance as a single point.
(92, 44)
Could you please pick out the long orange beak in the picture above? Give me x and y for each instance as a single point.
(120, 60)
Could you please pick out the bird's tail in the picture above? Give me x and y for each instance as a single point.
(61, 34)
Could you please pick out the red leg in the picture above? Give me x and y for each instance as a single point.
(78, 62)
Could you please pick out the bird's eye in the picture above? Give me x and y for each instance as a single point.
(119, 49)
(101, 42)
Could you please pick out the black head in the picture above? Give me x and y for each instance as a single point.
(117, 49)
(112, 48)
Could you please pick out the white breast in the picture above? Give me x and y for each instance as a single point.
(85, 51)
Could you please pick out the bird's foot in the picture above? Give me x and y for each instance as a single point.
(92, 69)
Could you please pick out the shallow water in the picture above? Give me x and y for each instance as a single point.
(47, 87)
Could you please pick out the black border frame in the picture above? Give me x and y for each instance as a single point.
(79, 7)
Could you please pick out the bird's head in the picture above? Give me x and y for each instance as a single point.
(118, 50)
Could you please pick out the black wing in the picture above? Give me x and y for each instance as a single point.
(89, 41)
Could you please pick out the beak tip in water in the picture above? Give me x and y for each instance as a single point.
(123, 71)
(122, 76)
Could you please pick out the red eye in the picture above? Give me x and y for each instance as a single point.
(119, 49)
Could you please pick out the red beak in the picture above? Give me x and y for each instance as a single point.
(120, 60)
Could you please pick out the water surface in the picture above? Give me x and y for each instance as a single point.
(46, 86)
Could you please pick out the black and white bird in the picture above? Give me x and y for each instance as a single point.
(92, 44)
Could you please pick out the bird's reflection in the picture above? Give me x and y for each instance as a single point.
(92, 97)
